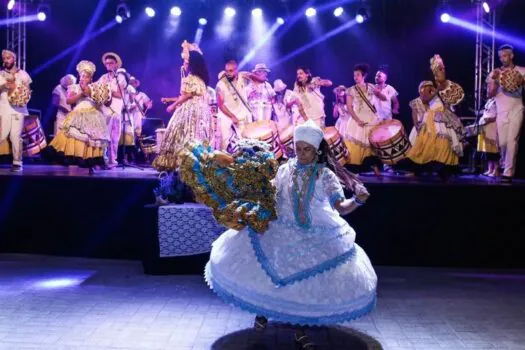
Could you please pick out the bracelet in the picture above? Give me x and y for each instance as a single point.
(358, 201)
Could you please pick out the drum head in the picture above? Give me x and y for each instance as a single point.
(331, 134)
(260, 130)
(385, 131)
(286, 133)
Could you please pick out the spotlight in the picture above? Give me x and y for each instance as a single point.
(10, 5)
(123, 12)
(280, 20)
(43, 11)
(361, 15)
(150, 12)
(203, 21)
(486, 7)
(229, 12)
(310, 12)
(176, 11)
(445, 17)
(338, 12)
(257, 13)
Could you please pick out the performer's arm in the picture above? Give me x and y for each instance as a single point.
(324, 82)
(224, 109)
(379, 94)
(395, 103)
(182, 98)
(492, 87)
(55, 100)
(353, 115)
(72, 98)
(335, 112)
(415, 119)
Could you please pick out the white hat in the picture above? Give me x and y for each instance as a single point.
(261, 66)
(279, 85)
(309, 132)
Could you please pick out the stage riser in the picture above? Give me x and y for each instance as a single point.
(404, 225)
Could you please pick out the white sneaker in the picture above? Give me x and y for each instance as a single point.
(16, 168)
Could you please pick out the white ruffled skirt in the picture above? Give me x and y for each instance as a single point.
(252, 272)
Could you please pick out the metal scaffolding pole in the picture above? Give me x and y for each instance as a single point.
(16, 32)
(485, 54)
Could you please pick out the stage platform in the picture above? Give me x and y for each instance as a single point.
(469, 221)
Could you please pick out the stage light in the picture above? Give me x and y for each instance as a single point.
(361, 15)
(10, 5)
(338, 12)
(176, 11)
(43, 11)
(280, 20)
(310, 12)
(486, 7)
(123, 12)
(150, 12)
(445, 17)
(257, 13)
(229, 12)
(203, 21)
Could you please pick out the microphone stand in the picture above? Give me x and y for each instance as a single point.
(125, 115)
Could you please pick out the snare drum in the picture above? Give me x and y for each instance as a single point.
(33, 137)
(160, 137)
(337, 145)
(265, 130)
(286, 136)
(389, 141)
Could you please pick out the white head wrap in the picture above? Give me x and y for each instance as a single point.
(310, 133)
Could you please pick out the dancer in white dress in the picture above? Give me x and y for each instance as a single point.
(305, 270)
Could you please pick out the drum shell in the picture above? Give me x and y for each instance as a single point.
(336, 144)
(33, 137)
(392, 149)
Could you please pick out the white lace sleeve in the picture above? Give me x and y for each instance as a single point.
(332, 186)
(279, 180)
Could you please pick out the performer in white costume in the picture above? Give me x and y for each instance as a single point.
(113, 112)
(260, 94)
(59, 100)
(14, 96)
(311, 100)
(506, 86)
(306, 269)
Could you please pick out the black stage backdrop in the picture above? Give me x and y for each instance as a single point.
(403, 34)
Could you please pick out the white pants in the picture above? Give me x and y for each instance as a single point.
(115, 128)
(12, 124)
(228, 131)
(509, 127)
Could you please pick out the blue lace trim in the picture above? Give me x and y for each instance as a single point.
(335, 197)
(290, 318)
(299, 276)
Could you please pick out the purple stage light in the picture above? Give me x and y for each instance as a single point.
(119, 19)
(203, 21)
(359, 18)
(338, 11)
(486, 7)
(41, 16)
(280, 20)
(445, 17)
(11, 5)
(257, 13)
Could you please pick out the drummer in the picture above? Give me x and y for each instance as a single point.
(260, 94)
(363, 117)
(506, 86)
(385, 101)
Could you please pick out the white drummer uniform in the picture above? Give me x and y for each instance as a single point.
(509, 118)
(11, 116)
(233, 102)
(384, 108)
(260, 97)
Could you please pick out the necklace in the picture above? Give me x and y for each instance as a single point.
(303, 186)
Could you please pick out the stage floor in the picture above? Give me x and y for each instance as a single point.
(49, 303)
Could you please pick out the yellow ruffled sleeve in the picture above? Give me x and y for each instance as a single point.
(192, 85)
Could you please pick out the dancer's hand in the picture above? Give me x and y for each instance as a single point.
(360, 192)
